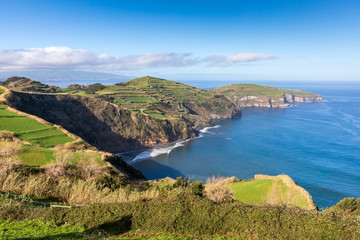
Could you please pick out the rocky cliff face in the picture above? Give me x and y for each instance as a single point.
(286, 100)
(251, 95)
(100, 123)
(217, 107)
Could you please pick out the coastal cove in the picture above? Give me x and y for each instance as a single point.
(316, 144)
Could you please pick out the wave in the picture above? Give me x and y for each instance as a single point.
(158, 151)
(167, 149)
(206, 130)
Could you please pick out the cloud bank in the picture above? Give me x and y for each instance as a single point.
(68, 58)
(238, 58)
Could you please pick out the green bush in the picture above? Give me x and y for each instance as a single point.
(350, 205)
(181, 182)
(197, 188)
(94, 88)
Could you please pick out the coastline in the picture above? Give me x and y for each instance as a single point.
(166, 148)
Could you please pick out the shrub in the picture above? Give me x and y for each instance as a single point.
(197, 188)
(94, 88)
(8, 150)
(7, 136)
(181, 182)
(349, 205)
(219, 194)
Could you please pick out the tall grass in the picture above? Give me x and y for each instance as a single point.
(70, 183)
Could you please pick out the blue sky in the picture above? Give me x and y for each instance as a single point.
(202, 40)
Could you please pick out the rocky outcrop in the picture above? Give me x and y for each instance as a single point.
(217, 107)
(100, 123)
(252, 95)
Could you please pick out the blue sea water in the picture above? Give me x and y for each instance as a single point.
(316, 144)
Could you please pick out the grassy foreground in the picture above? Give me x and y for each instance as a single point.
(183, 215)
(95, 202)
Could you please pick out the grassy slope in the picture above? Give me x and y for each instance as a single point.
(30, 130)
(267, 191)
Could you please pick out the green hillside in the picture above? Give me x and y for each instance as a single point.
(248, 89)
(267, 191)
(155, 97)
(30, 130)
(41, 138)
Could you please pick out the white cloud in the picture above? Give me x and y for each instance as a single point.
(64, 57)
(238, 58)
(68, 58)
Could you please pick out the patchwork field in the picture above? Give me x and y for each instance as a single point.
(154, 97)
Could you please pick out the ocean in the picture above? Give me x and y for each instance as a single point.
(316, 144)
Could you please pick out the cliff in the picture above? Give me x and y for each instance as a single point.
(252, 95)
(131, 115)
(100, 123)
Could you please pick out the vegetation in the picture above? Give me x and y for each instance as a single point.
(154, 97)
(267, 191)
(249, 89)
(28, 85)
(28, 129)
(182, 214)
(299, 93)
(94, 88)
(112, 206)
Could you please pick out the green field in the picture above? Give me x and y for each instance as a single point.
(154, 96)
(30, 130)
(37, 230)
(38, 156)
(267, 191)
(251, 191)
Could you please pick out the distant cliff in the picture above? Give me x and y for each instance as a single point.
(252, 95)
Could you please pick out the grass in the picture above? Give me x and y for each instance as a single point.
(251, 191)
(139, 99)
(267, 191)
(154, 114)
(36, 230)
(249, 89)
(186, 216)
(39, 156)
(30, 130)
(36, 156)
(66, 90)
